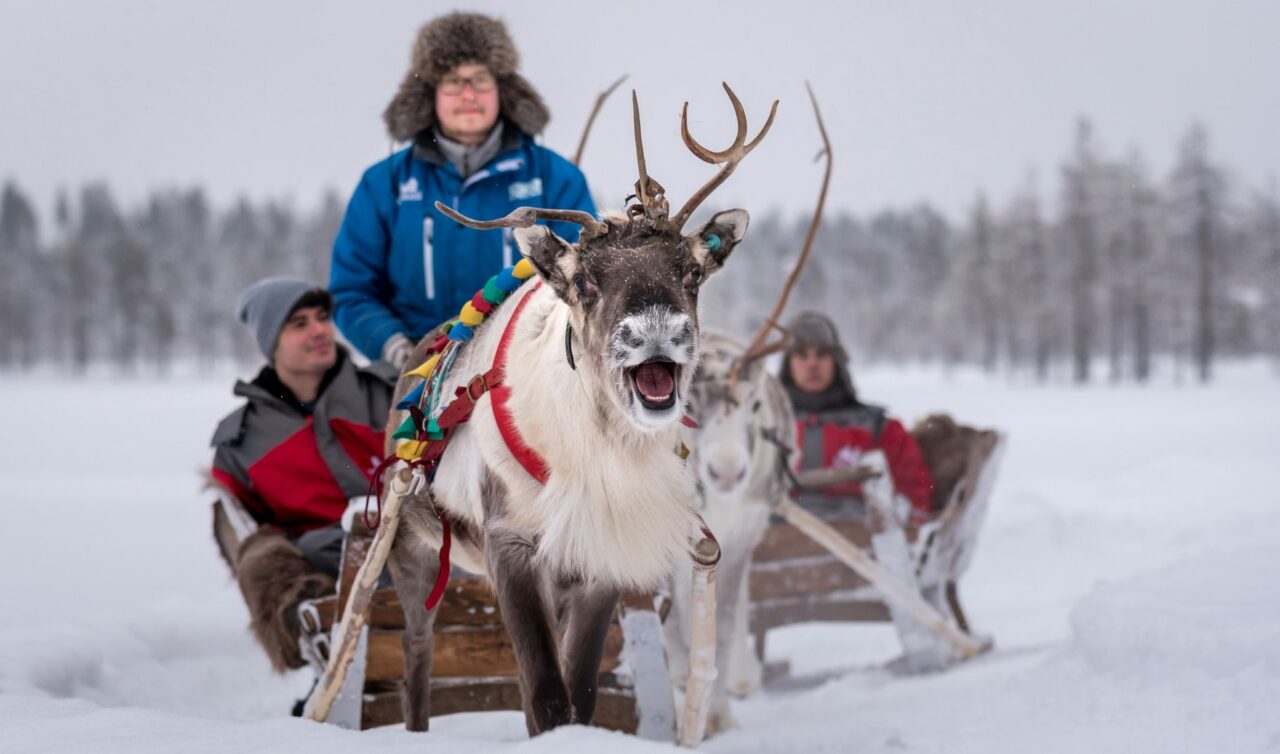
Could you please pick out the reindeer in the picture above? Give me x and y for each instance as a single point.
(736, 460)
(745, 426)
(599, 362)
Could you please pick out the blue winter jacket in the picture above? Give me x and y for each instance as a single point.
(400, 266)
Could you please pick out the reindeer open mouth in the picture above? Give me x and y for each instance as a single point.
(655, 383)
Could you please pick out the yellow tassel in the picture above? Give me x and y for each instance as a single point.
(469, 316)
(410, 450)
(427, 367)
(524, 269)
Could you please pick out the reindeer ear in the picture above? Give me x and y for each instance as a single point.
(712, 243)
(555, 259)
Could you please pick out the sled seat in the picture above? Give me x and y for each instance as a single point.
(793, 579)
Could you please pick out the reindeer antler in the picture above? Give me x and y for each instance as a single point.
(653, 202)
(591, 119)
(729, 158)
(524, 217)
(758, 349)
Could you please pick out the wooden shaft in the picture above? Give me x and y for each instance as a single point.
(702, 652)
(893, 589)
(825, 477)
(347, 634)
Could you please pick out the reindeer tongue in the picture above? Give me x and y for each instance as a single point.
(654, 381)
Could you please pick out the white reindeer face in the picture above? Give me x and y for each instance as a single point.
(634, 294)
(729, 426)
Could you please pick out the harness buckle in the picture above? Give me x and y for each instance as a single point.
(484, 388)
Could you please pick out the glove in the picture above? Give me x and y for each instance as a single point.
(847, 458)
(396, 350)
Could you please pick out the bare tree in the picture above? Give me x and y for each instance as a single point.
(1198, 191)
(19, 278)
(1081, 237)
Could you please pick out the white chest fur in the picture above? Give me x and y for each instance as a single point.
(618, 505)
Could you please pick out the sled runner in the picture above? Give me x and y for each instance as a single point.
(795, 579)
(474, 667)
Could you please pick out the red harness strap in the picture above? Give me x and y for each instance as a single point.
(459, 411)
(525, 455)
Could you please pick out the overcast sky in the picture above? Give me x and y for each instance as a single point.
(924, 101)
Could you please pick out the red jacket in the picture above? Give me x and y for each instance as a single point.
(850, 432)
(296, 469)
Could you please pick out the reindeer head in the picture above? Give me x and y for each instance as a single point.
(731, 417)
(632, 280)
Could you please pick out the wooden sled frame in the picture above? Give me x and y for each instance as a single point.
(474, 666)
(795, 579)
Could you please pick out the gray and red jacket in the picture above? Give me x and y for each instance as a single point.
(296, 470)
(824, 436)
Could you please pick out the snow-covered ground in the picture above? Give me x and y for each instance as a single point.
(1128, 572)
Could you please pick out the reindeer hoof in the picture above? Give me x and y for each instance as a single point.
(549, 708)
(719, 719)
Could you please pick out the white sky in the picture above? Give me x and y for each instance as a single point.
(925, 101)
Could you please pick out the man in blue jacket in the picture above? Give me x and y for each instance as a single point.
(400, 267)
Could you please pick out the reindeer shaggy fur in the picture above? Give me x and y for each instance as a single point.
(618, 508)
(945, 446)
(739, 481)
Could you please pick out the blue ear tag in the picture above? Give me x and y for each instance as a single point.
(713, 242)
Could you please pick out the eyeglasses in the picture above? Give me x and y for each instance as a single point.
(481, 82)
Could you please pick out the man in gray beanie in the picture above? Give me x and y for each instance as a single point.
(400, 267)
(305, 442)
(834, 427)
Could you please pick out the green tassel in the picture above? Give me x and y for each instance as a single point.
(433, 430)
(407, 430)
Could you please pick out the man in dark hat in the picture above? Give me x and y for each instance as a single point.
(400, 267)
(834, 427)
(304, 443)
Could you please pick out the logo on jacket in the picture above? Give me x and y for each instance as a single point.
(410, 191)
(521, 190)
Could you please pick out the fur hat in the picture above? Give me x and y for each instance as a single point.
(814, 330)
(446, 43)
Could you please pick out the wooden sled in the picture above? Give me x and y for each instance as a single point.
(474, 665)
(794, 579)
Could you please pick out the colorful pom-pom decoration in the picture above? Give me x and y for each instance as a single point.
(524, 269)
(469, 316)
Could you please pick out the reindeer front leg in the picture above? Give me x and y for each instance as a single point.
(414, 564)
(589, 616)
(529, 621)
(730, 576)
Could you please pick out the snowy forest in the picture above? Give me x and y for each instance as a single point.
(1094, 271)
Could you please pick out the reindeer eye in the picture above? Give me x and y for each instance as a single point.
(755, 408)
(580, 282)
(693, 276)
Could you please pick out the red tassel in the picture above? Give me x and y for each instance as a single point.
(375, 490)
(442, 578)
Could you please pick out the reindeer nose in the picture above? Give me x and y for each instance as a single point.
(722, 479)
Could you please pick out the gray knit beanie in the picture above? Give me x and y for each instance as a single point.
(267, 304)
